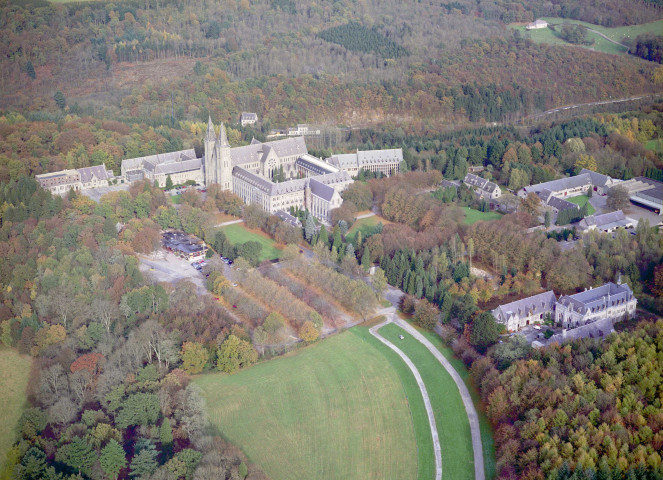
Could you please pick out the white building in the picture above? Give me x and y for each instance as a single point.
(248, 118)
(482, 187)
(536, 24)
(387, 162)
(527, 311)
(611, 300)
(607, 222)
(61, 182)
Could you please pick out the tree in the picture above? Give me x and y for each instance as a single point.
(366, 259)
(78, 455)
(484, 331)
(139, 409)
(531, 204)
(546, 219)
(234, 354)
(112, 459)
(165, 432)
(30, 70)
(169, 183)
(250, 251)
(426, 314)
(194, 357)
(323, 237)
(379, 281)
(144, 462)
(308, 332)
(309, 227)
(618, 198)
(60, 100)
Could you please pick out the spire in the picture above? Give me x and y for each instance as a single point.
(210, 130)
(222, 139)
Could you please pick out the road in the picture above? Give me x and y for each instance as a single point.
(607, 38)
(393, 295)
(578, 105)
(424, 393)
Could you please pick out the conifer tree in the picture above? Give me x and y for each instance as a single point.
(366, 259)
(30, 70)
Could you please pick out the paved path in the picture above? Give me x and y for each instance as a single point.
(472, 415)
(607, 38)
(366, 215)
(424, 393)
(231, 222)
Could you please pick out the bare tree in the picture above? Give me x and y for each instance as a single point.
(106, 311)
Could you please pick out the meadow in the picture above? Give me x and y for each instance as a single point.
(473, 216)
(365, 226)
(332, 410)
(13, 381)
(581, 200)
(238, 233)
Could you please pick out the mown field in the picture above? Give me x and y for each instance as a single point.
(473, 216)
(581, 200)
(238, 233)
(15, 369)
(365, 226)
(546, 35)
(332, 410)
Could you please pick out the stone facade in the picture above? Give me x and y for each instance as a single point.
(59, 183)
(610, 301)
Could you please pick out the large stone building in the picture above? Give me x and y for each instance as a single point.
(485, 189)
(61, 182)
(252, 171)
(611, 301)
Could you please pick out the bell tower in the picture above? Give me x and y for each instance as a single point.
(210, 171)
(223, 161)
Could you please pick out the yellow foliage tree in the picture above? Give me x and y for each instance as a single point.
(308, 332)
(586, 161)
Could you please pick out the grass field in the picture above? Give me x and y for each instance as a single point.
(238, 233)
(15, 370)
(473, 216)
(484, 425)
(655, 145)
(365, 225)
(545, 35)
(332, 410)
(581, 200)
(452, 424)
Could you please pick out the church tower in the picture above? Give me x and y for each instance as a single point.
(224, 167)
(210, 171)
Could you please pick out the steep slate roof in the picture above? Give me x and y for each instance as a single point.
(177, 167)
(318, 166)
(321, 190)
(98, 171)
(289, 219)
(535, 304)
(256, 150)
(561, 204)
(561, 184)
(344, 160)
(604, 219)
(249, 116)
(598, 298)
(170, 157)
(598, 179)
(371, 157)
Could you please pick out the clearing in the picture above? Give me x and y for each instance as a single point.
(546, 35)
(473, 216)
(16, 370)
(365, 225)
(581, 200)
(238, 233)
(332, 410)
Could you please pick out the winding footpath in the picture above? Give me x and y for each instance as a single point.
(424, 393)
(472, 415)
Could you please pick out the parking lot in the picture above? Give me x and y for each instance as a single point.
(166, 267)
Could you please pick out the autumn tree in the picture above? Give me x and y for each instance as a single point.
(308, 332)
(194, 357)
(234, 354)
(618, 198)
(426, 314)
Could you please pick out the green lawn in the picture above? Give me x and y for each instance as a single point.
(13, 381)
(484, 425)
(545, 35)
(473, 216)
(365, 225)
(453, 426)
(581, 200)
(655, 145)
(238, 233)
(332, 410)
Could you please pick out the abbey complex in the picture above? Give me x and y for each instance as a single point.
(276, 175)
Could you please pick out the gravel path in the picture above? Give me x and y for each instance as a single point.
(424, 393)
(472, 415)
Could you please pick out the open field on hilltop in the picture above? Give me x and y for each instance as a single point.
(545, 35)
(332, 410)
(365, 225)
(15, 370)
(655, 145)
(487, 439)
(238, 233)
(581, 200)
(452, 423)
(473, 216)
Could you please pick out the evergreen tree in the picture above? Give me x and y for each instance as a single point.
(349, 250)
(323, 237)
(169, 183)
(419, 288)
(309, 227)
(112, 459)
(546, 218)
(60, 101)
(165, 433)
(366, 259)
(144, 462)
(30, 70)
(337, 238)
(412, 284)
